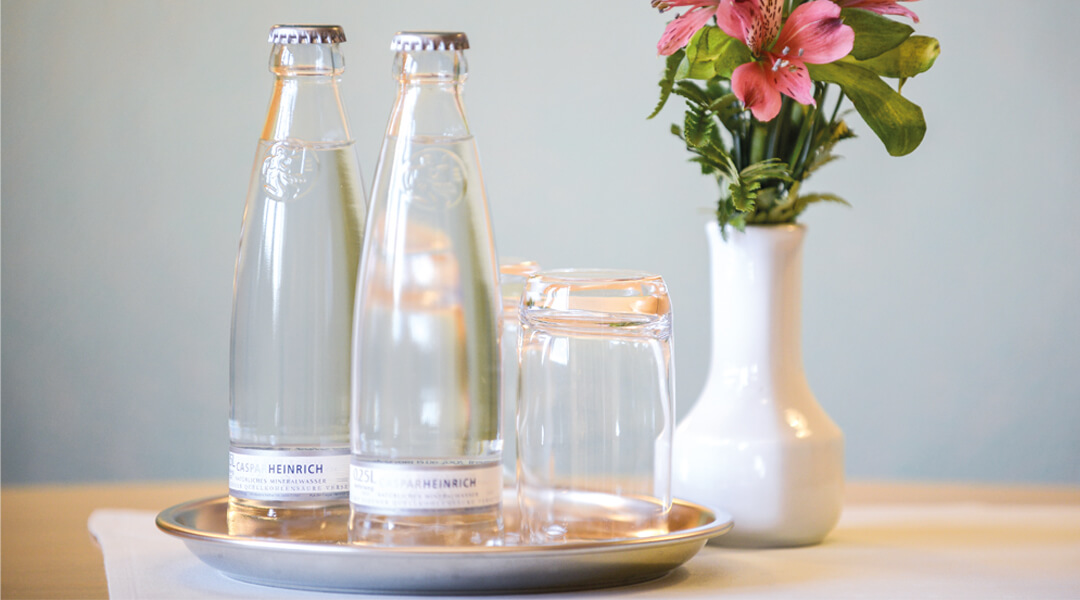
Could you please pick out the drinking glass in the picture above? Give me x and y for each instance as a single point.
(596, 406)
(513, 273)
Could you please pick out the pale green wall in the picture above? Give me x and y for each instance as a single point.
(942, 312)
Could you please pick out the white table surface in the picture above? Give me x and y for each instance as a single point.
(895, 540)
(944, 550)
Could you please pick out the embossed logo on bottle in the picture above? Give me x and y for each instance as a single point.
(435, 178)
(289, 170)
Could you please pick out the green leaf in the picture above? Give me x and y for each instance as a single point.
(733, 54)
(916, 55)
(721, 160)
(696, 126)
(707, 168)
(874, 34)
(692, 92)
(803, 200)
(821, 158)
(712, 46)
(746, 187)
(667, 82)
(723, 104)
(773, 168)
(827, 138)
(705, 45)
(728, 108)
(691, 70)
(897, 121)
(812, 198)
(683, 69)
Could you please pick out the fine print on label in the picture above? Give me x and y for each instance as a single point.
(285, 475)
(395, 488)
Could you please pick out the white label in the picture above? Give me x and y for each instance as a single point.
(395, 488)
(289, 474)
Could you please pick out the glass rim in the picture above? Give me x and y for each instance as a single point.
(576, 275)
(623, 298)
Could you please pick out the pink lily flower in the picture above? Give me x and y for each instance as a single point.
(813, 34)
(881, 7)
(679, 31)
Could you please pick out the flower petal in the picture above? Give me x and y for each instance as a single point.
(765, 26)
(679, 31)
(792, 79)
(881, 7)
(814, 33)
(666, 4)
(735, 17)
(754, 86)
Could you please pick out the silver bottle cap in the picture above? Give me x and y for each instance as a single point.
(413, 41)
(306, 34)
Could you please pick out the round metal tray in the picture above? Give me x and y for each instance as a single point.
(342, 567)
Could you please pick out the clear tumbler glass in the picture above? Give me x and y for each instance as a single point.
(513, 273)
(596, 406)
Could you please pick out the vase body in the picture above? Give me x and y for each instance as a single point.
(757, 444)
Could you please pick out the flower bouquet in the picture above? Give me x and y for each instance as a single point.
(765, 71)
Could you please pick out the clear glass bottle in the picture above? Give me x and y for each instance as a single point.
(426, 450)
(293, 298)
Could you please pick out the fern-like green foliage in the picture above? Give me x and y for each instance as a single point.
(667, 81)
(823, 145)
(723, 140)
(711, 109)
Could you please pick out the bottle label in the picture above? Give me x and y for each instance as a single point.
(396, 488)
(289, 475)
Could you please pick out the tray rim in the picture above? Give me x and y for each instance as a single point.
(717, 522)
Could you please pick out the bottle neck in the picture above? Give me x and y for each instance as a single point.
(306, 104)
(429, 101)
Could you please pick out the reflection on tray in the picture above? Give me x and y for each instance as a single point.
(600, 518)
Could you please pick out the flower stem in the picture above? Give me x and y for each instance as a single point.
(836, 109)
(802, 148)
(800, 143)
(737, 148)
(758, 142)
(747, 130)
(774, 128)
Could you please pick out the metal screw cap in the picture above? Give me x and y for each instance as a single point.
(306, 34)
(412, 41)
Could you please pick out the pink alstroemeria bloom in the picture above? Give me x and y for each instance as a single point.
(680, 30)
(813, 34)
(881, 7)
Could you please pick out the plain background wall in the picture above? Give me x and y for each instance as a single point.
(941, 312)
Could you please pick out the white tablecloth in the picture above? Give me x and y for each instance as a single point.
(902, 551)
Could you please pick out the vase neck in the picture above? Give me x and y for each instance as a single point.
(756, 301)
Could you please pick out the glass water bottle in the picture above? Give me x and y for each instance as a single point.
(293, 298)
(426, 451)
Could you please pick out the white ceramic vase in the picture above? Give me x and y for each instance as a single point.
(757, 444)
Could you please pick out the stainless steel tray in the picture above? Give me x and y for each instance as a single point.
(341, 567)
